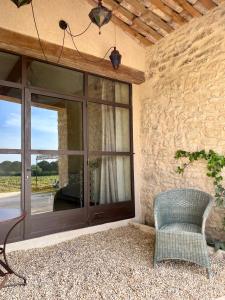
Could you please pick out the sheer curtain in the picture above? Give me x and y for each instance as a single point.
(115, 170)
(108, 177)
(123, 162)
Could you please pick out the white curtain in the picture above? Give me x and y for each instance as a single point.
(109, 184)
(115, 170)
(123, 162)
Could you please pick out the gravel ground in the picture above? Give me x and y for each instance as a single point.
(110, 265)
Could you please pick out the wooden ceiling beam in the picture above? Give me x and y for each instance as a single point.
(144, 12)
(189, 8)
(118, 10)
(149, 20)
(208, 4)
(138, 22)
(137, 5)
(168, 11)
(149, 16)
(134, 21)
(131, 32)
(29, 46)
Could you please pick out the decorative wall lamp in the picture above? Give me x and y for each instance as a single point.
(99, 16)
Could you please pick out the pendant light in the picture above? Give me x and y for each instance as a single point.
(100, 15)
(21, 2)
(115, 58)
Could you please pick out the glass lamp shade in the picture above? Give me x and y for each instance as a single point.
(115, 58)
(21, 2)
(100, 15)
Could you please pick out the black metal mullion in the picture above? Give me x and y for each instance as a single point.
(86, 147)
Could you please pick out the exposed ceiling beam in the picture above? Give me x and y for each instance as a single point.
(150, 20)
(168, 11)
(209, 4)
(189, 8)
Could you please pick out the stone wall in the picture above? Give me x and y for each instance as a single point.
(183, 107)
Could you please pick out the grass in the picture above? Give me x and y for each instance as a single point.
(13, 183)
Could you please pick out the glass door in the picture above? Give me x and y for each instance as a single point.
(110, 151)
(55, 168)
(11, 155)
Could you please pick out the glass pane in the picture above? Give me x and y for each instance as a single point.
(56, 124)
(122, 93)
(11, 67)
(55, 78)
(10, 180)
(110, 180)
(10, 120)
(57, 183)
(122, 130)
(108, 128)
(101, 88)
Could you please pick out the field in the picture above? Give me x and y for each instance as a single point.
(13, 183)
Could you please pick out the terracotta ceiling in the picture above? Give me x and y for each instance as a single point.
(148, 21)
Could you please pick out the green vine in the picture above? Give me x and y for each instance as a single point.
(215, 164)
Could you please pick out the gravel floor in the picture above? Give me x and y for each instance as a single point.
(111, 265)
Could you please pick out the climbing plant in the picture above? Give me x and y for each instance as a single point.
(215, 164)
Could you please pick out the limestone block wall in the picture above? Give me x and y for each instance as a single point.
(183, 107)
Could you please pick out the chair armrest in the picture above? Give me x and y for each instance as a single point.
(205, 215)
(160, 219)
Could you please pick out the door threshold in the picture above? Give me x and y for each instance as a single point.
(56, 238)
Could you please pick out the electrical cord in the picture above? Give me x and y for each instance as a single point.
(35, 23)
(39, 39)
(79, 34)
(63, 43)
(81, 55)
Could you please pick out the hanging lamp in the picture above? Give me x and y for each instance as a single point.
(21, 2)
(100, 15)
(115, 58)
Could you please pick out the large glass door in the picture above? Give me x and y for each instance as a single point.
(11, 154)
(110, 154)
(66, 149)
(55, 168)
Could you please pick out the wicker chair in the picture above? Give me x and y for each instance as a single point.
(180, 217)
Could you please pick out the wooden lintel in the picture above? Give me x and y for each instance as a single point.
(29, 46)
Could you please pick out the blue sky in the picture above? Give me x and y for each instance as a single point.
(44, 128)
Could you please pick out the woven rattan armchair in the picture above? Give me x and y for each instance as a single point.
(180, 217)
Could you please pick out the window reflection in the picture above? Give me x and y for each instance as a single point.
(10, 180)
(57, 183)
(56, 124)
(10, 122)
(55, 78)
(11, 67)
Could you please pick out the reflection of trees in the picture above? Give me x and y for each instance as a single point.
(45, 168)
(9, 168)
(42, 168)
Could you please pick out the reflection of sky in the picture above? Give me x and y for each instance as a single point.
(44, 128)
(10, 127)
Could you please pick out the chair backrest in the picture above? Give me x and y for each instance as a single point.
(182, 206)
